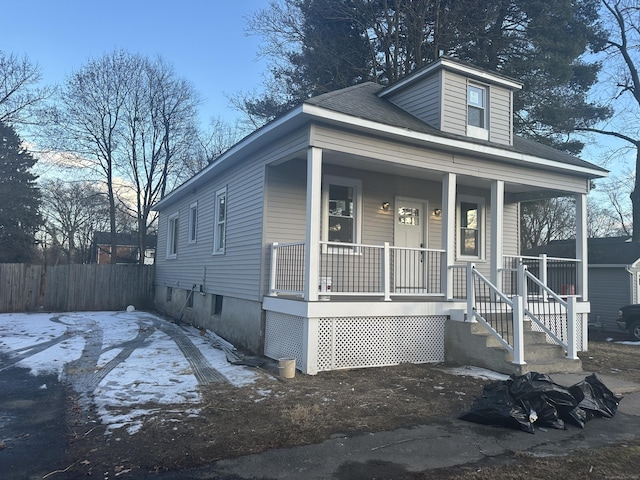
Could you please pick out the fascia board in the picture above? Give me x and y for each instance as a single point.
(227, 156)
(456, 67)
(445, 143)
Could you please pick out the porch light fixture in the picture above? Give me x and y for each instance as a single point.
(437, 212)
(385, 206)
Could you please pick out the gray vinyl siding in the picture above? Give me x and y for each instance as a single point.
(454, 112)
(286, 202)
(422, 100)
(511, 230)
(609, 289)
(237, 272)
(234, 272)
(405, 155)
(285, 217)
(500, 116)
(286, 211)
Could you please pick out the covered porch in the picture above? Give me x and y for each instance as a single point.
(339, 304)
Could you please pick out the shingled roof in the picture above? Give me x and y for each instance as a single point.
(363, 101)
(601, 251)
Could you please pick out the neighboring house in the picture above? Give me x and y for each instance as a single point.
(127, 248)
(614, 274)
(343, 232)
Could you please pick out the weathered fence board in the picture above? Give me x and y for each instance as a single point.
(19, 287)
(75, 287)
(98, 287)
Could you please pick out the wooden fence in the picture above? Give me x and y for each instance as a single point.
(75, 287)
(20, 287)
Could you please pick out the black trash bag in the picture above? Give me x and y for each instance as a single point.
(496, 406)
(533, 385)
(548, 415)
(553, 402)
(595, 398)
(575, 416)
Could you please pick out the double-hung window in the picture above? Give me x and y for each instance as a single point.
(172, 235)
(220, 221)
(471, 227)
(342, 209)
(477, 98)
(193, 222)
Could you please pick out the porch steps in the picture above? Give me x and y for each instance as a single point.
(468, 343)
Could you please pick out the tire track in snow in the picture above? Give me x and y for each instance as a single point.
(204, 373)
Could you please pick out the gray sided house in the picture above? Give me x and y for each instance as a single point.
(614, 274)
(377, 225)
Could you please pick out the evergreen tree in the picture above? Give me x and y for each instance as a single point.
(19, 199)
(322, 45)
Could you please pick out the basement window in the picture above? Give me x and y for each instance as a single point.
(216, 304)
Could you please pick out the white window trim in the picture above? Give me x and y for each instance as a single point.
(217, 249)
(473, 131)
(356, 184)
(480, 201)
(193, 222)
(172, 235)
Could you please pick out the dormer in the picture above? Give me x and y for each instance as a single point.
(458, 98)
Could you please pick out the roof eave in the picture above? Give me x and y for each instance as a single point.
(227, 156)
(448, 143)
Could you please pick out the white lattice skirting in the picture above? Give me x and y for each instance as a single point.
(354, 342)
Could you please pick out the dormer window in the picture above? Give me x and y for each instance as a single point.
(477, 112)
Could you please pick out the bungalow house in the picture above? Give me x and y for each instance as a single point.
(614, 274)
(377, 225)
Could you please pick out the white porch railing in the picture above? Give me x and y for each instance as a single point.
(503, 316)
(555, 316)
(558, 274)
(360, 270)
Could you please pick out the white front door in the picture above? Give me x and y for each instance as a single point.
(410, 231)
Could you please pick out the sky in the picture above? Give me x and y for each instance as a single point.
(205, 40)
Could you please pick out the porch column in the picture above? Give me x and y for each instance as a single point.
(448, 232)
(581, 247)
(312, 244)
(497, 227)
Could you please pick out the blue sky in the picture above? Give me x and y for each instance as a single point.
(205, 40)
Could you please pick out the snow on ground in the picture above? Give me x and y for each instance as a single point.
(120, 361)
(476, 372)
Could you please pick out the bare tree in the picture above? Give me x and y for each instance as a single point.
(216, 139)
(622, 87)
(134, 119)
(19, 95)
(73, 212)
(546, 220)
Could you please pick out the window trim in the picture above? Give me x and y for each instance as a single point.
(173, 235)
(480, 202)
(354, 183)
(220, 225)
(193, 222)
(472, 130)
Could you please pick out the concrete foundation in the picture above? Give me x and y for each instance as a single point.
(468, 343)
(239, 321)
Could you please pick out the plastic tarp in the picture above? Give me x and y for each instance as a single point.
(534, 398)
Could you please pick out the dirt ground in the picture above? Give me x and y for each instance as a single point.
(310, 409)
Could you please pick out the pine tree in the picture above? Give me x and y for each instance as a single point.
(321, 45)
(19, 199)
